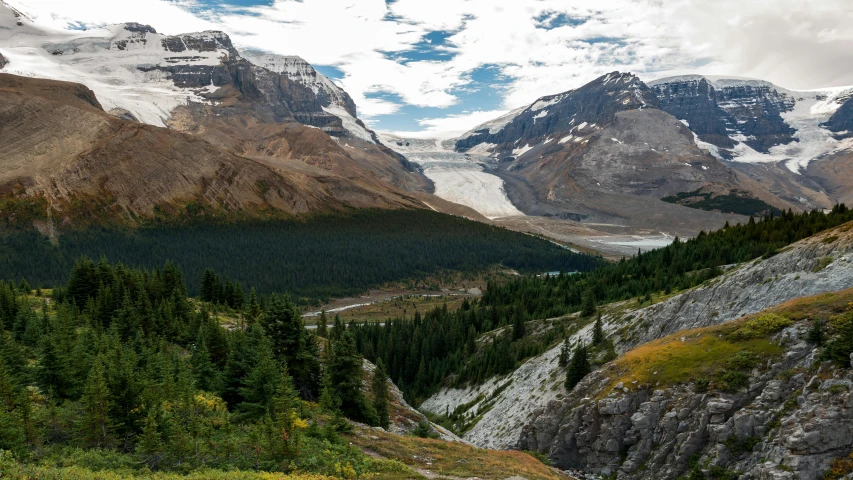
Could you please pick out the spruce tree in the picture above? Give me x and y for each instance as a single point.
(579, 367)
(379, 388)
(285, 327)
(261, 386)
(126, 386)
(207, 376)
(150, 446)
(815, 334)
(339, 329)
(207, 290)
(471, 340)
(8, 389)
(95, 425)
(285, 416)
(346, 374)
(518, 327)
(841, 346)
(52, 371)
(293, 344)
(239, 297)
(254, 309)
(12, 436)
(597, 332)
(565, 353)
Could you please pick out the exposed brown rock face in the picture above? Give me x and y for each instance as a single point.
(56, 142)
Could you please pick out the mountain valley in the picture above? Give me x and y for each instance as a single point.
(215, 265)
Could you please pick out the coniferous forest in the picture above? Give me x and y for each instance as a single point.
(119, 369)
(312, 259)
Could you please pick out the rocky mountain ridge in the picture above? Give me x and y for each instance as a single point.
(291, 119)
(65, 160)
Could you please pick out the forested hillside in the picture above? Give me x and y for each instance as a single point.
(424, 352)
(311, 259)
(121, 370)
(676, 267)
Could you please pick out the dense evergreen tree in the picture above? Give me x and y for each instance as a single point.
(345, 370)
(293, 344)
(95, 425)
(322, 328)
(565, 353)
(518, 327)
(588, 305)
(261, 385)
(579, 367)
(597, 332)
(840, 347)
(815, 334)
(207, 375)
(379, 388)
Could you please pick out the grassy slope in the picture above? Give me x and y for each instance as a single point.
(437, 457)
(706, 353)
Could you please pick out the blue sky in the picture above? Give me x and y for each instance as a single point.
(439, 67)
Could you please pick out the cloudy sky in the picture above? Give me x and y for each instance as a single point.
(442, 66)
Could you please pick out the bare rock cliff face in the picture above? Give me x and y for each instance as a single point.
(718, 110)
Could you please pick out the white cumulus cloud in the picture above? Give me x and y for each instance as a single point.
(541, 46)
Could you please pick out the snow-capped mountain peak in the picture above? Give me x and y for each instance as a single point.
(750, 120)
(580, 111)
(145, 75)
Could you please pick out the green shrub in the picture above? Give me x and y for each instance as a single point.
(760, 326)
(733, 381)
(822, 263)
(743, 360)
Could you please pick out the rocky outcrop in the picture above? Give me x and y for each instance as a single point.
(785, 425)
(300, 71)
(840, 123)
(404, 419)
(3, 61)
(823, 263)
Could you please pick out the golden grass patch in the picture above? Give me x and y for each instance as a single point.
(453, 458)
